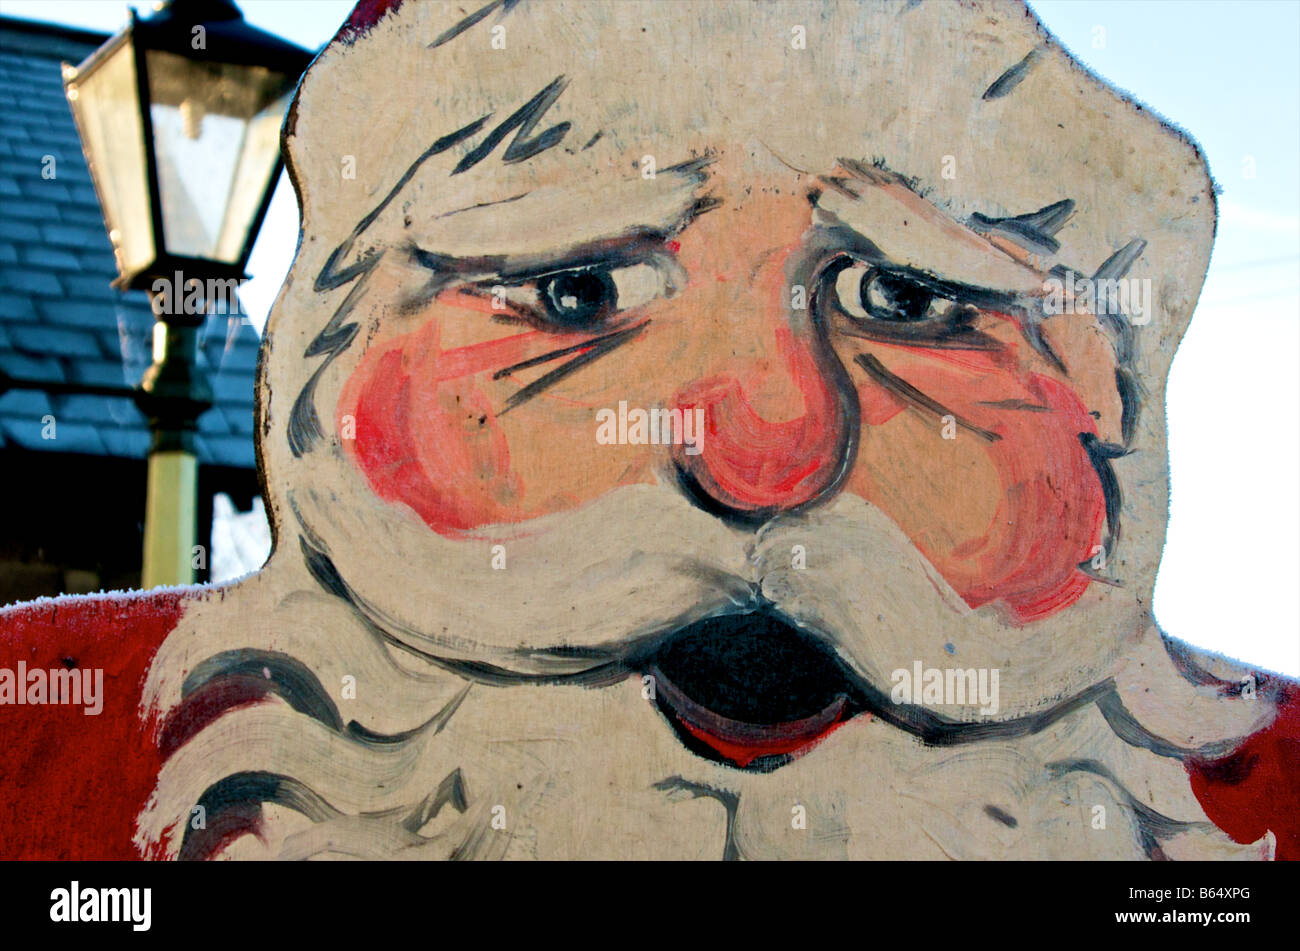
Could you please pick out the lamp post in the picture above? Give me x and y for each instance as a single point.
(179, 116)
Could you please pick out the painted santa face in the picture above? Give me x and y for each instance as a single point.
(796, 360)
(817, 364)
(725, 420)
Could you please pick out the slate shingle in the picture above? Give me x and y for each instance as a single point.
(32, 403)
(33, 209)
(213, 422)
(38, 340)
(230, 358)
(18, 231)
(107, 411)
(234, 451)
(16, 307)
(98, 264)
(132, 442)
(30, 281)
(79, 313)
(240, 421)
(80, 237)
(68, 437)
(101, 373)
(47, 189)
(19, 366)
(53, 258)
(228, 388)
(90, 218)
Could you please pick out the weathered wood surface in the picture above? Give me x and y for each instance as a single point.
(828, 237)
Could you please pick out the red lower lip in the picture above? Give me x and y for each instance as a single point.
(743, 743)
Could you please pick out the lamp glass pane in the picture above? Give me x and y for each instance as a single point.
(252, 177)
(210, 123)
(106, 108)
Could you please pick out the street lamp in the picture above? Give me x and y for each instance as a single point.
(179, 116)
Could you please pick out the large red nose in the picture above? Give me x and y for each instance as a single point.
(752, 465)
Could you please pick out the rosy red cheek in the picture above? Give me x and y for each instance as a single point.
(429, 443)
(1050, 509)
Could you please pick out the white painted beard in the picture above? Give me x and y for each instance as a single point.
(438, 765)
(580, 588)
(573, 773)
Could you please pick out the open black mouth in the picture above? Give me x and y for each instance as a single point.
(750, 690)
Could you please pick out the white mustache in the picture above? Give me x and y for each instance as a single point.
(592, 581)
(585, 588)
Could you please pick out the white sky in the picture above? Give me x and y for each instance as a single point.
(1229, 74)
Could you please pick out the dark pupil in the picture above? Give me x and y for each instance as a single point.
(578, 297)
(890, 297)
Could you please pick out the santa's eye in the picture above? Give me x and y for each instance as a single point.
(888, 302)
(866, 292)
(578, 298)
(586, 297)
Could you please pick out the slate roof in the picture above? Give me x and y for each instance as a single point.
(60, 321)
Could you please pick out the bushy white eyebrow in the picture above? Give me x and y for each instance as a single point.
(548, 219)
(913, 233)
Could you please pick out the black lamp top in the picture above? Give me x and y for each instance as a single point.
(228, 37)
